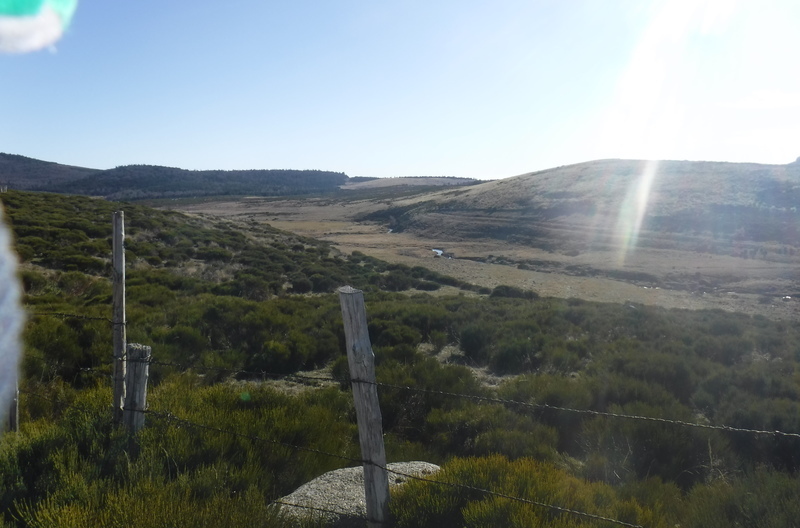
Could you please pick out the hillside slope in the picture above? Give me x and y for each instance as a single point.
(699, 206)
(20, 172)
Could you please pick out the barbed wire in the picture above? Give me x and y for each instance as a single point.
(67, 405)
(73, 316)
(488, 399)
(560, 509)
(172, 418)
(232, 371)
(474, 397)
(530, 502)
(254, 373)
(607, 414)
(306, 507)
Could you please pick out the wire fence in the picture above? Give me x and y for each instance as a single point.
(63, 315)
(169, 417)
(487, 399)
(262, 374)
(590, 412)
(473, 397)
(304, 378)
(172, 418)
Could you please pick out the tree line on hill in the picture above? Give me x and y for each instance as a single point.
(148, 181)
(132, 182)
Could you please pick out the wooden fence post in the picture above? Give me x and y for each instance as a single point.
(118, 261)
(138, 360)
(361, 360)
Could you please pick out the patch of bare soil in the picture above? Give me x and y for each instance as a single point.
(452, 355)
(300, 382)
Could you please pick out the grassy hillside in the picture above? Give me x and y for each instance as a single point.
(726, 208)
(222, 308)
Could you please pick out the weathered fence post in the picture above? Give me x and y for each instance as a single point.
(361, 360)
(118, 262)
(138, 360)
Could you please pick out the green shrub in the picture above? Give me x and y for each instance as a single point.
(475, 340)
(512, 292)
(421, 504)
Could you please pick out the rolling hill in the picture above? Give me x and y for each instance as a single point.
(20, 172)
(727, 208)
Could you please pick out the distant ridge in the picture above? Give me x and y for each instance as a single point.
(21, 172)
(151, 181)
(132, 182)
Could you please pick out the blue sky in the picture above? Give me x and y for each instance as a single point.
(460, 88)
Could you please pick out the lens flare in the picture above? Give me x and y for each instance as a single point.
(30, 25)
(633, 209)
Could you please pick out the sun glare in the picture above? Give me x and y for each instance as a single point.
(633, 209)
(646, 118)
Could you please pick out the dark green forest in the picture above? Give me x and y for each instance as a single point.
(229, 309)
(132, 182)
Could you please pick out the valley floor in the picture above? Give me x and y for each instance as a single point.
(685, 280)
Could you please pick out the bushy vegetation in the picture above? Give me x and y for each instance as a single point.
(226, 308)
(74, 233)
(69, 466)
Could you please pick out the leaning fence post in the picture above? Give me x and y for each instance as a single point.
(118, 274)
(361, 360)
(138, 359)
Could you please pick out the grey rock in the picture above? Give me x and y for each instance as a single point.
(340, 493)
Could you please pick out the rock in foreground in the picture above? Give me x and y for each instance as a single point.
(341, 494)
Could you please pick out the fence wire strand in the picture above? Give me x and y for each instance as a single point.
(487, 399)
(175, 419)
(57, 401)
(172, 418)
(306, 507)
(607, 414)
(254, 373)
(64, 315)
(560, 509)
